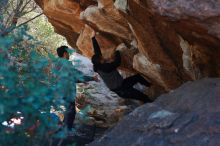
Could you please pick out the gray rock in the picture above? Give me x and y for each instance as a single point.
(188, 116)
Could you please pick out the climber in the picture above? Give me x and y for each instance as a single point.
(107, 69)
(69, 117)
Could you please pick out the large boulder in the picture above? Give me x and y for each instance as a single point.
(187, 116)
(168, 42)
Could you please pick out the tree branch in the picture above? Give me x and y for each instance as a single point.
(29, 20)
(7, 31)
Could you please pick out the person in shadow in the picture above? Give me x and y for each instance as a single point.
(107, 69)
(70, 113)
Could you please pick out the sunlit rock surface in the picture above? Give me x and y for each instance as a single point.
(174, 41)
(187, 116)
(96, 104)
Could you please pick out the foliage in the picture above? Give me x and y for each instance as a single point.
(30, 84)
(42, 30)
(11, 11)
(16, 13)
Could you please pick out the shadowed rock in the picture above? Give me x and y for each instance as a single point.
(189, 115)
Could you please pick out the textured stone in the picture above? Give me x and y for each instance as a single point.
(168, 42)
(187, 116)
(96, 104)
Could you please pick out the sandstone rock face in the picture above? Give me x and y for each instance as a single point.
(170, 42)
(187, 116)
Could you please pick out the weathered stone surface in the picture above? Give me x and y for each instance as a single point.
(188, 116)
(174, 41)
(96, 104)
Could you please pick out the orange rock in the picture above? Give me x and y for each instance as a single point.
(175, 41)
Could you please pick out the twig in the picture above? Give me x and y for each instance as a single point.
(28, 20)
